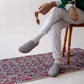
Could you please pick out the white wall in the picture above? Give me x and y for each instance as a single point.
(17, 25)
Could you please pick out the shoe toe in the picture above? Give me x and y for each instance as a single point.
(27, 47)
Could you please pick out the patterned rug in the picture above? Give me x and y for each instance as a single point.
(28, 68)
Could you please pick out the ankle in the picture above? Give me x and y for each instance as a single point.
(58, 61)
(37, 38)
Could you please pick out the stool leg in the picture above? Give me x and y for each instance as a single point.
(65, 39)
(69, 44)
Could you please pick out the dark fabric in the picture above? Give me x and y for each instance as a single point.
(80, 4)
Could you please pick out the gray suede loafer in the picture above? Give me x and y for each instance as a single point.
(27, 47)
(54, 70)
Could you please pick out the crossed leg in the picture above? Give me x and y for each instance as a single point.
(58, 19)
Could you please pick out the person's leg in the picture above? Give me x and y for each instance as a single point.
(55, 15)
(55, 33)
(56, 38)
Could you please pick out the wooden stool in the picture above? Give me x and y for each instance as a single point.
(69, 40)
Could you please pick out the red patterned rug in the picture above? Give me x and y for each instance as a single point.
(28, 68)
